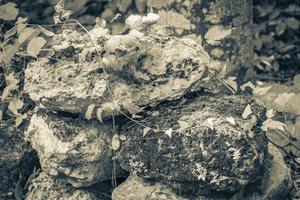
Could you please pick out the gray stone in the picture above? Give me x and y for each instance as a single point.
(44, 187)
(126, 72)
(136, 188)
(203, 145)
(275, 185)
(75, 150)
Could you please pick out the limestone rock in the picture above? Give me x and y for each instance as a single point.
(137, 188)
(275, 185)
(72, 149)
(44, 187)
(201, 145)
(117, 72)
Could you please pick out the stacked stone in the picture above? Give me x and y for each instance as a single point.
(178, 148)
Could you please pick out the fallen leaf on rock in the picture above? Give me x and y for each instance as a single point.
(99, 114)
(248, 84)
(260, 91)
(230, 120)
(146, 130)
(115, 142)
(89, 112)
(270, 113)
(247, 111)
(169, 132)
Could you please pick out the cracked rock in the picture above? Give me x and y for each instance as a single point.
(202, 145)
(75, 150)
(117, 72)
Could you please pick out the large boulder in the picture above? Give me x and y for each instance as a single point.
(44, 187)
(275, 185)
(202, 145)
(75, 150)
(117, 72)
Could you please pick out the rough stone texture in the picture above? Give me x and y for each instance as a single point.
(207, 21)
(75, 150)
(44, 187)
(141, 68)
(136, 188)
(16, 157)
(194, 146)
(276, 185)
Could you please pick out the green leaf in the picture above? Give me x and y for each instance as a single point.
(35, 45)
(8, 11)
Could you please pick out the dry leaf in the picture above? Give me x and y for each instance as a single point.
(35, 45)
(230, 120)
(115, 142)
(247, 112)
(89, 112)
(248, 84)
(99, 114)
(8, 11)
(270, 113)
(146, 130)
(261, 91)
(169, 132)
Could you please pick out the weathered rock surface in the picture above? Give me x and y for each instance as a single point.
(44, 187)
(276, 185)
(125, 72)
(201, 145)
(16, 157)
(75, 150)
(137, 188)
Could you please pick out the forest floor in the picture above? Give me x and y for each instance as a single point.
(276, 64)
